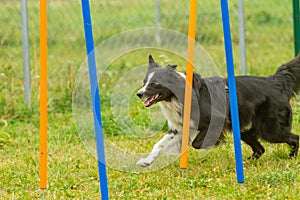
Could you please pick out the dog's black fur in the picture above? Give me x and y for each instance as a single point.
(264, 103)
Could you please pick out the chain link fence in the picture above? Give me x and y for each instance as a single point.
(269, 38)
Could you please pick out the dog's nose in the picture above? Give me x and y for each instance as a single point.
(139, 94)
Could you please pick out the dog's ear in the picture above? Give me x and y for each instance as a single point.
(298, 56)
(197, 81)
(172, 66)
(295, 61)
(151, 59)
(152, 63)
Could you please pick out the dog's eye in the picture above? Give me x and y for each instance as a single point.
(153, 84)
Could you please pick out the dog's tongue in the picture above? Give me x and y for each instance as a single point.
(149, 101)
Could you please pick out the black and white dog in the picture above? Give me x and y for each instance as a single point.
(264, 108)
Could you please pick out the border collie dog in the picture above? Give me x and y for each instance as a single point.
(264, 108)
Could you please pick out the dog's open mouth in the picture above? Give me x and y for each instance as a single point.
(151, 100)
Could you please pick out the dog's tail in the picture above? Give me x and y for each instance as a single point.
(289, 75)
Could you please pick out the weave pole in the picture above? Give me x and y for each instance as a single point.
(95, 97)
(188, 84)
(25, 52)
(296, 19)
(43, 95)
(232, 93)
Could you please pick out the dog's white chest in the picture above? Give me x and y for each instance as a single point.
(172, 111)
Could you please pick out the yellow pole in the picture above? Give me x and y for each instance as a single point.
(43, 94)
(188, 85)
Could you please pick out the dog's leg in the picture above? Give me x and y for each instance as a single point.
(250, 138)
(169, 141)
(199, 139)
(293, 141)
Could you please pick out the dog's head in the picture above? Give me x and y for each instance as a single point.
(161, 84)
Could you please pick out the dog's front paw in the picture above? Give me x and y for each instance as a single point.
(144, 162)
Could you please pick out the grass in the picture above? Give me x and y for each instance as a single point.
(72, 169)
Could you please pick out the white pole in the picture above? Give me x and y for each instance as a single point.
(242, 39)
(158, 21)
(25, 49)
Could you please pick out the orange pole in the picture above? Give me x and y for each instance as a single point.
(43, 94)
(188, 84)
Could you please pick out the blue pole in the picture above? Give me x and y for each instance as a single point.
(232, 93)
(95, 97)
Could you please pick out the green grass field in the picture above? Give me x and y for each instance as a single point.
(72, 170)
